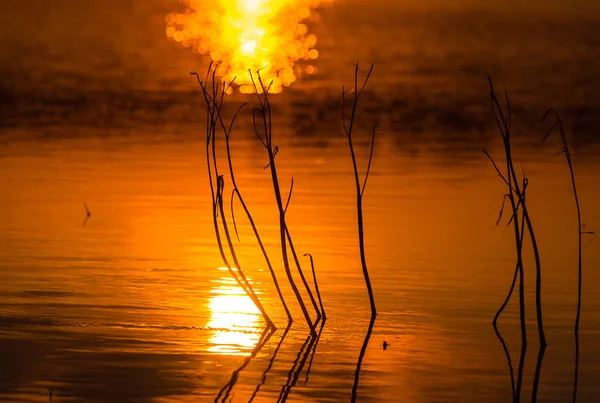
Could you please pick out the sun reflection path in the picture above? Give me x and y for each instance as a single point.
(242, 35)
(234, 318)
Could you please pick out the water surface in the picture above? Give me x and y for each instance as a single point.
(133, 303)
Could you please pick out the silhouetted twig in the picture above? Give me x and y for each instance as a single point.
(227, 132)
(312, 265)
(580, 232)
(262, 94)
(348, 129)
(301, 273)
(214, 100)
(503, 124)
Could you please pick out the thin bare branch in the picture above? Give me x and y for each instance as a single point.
(506, 196)
(496, 167)
(366, 79)
(289, 196)
(256, 129)
(362, 192)
(312, 265)
(233, 191)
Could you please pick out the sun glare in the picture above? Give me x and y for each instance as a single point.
(234, 318)
(248, 48)
(241, 35)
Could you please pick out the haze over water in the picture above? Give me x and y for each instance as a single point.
(97, 105)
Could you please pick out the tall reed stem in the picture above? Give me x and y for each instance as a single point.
(301, 273)
(360, 189)
(580, 232)
(214, 100)
(267, 142)
(227, 132)
(312, 265)
(504, 124)
(516, 397)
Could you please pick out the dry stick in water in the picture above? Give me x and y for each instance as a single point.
(220, 189)
(234, 254)
(295, 256)
(580, 232)
(504, 123)
(524, 346)
(265, 109)
(542, 348)
(517, 266)
(214, 102)
(304, 282)
(510, 291)
(518, 271)
(210, 131)
(227, 132)
(312, 266)
(348, 129)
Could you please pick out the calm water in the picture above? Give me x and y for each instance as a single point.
(133, 304)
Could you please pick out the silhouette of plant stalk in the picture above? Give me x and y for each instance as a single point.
(517, 198)
(503, 124)
(512, 195)
(565, 149)
(312, 265)
(495, 324)
(300, 271)
(360, 188)
(504, 121)
(214, 101)
(236, 192)
(262, 94)
(519, 232)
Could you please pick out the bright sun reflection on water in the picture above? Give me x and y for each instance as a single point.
(234, 318)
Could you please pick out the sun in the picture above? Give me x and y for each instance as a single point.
(250, 35)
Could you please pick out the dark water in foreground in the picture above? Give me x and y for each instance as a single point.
(134, 305)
